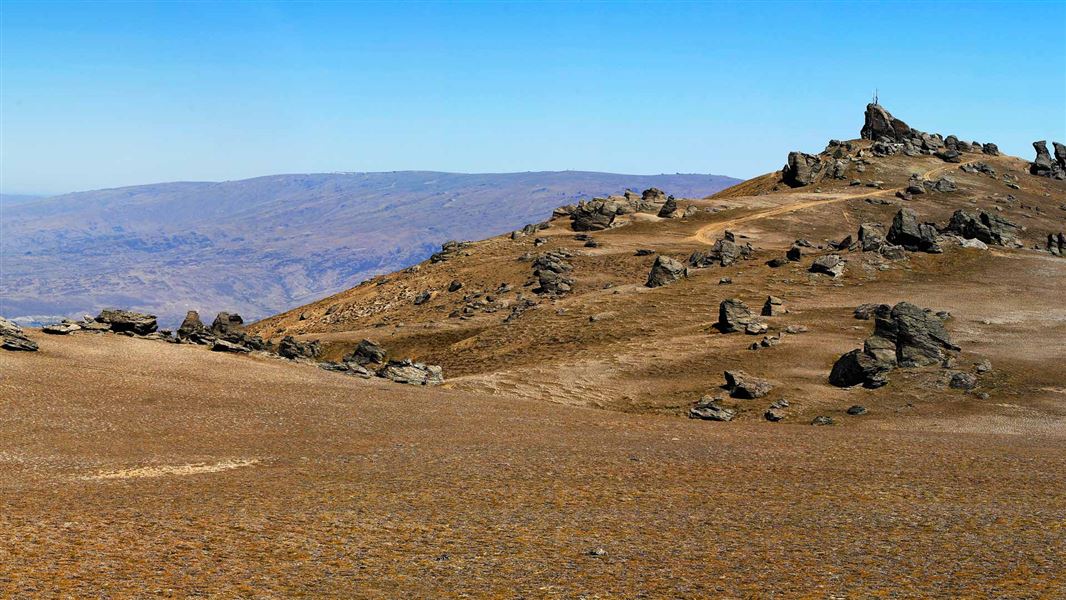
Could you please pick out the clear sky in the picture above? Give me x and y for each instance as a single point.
(105, 94)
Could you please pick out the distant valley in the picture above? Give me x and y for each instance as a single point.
(260, 246)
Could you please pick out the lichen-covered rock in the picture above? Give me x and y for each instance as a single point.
(734, 315)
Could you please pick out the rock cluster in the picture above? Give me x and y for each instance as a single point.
(13, 338)
(987, 227)
(448, 250)
(550, 270)
(893, 136)
(904, 336)
(600, 213)
(292, 349)
(830, 264)
(724, 252)
(1045, 165)
(369, 359)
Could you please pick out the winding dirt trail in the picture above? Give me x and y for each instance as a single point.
(705, 234)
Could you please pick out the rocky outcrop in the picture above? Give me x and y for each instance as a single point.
(801, 169)
(665, 270)
(907, 232)
(653, 195)
(830, 264)
(1056, 244)
(904, 336)
(709, 409)
(227, 346)
(13, 338)
(293, 349)
(594, 215)
(550, 271)
(1046, 166)
(127, 321)
(879, 124)
(64, 327)
(412, 373)
(987, 227)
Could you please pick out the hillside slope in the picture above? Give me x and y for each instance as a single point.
(611, 342)
(262, 245)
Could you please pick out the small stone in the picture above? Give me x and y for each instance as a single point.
(856, 410)
(823, 420)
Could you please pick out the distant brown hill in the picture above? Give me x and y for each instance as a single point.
(263, 245)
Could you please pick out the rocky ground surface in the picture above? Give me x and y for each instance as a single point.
(130, 467)
(842, 379)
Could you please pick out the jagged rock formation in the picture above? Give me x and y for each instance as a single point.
(904, 336)
(801, 169)
(734, 315)
(1045, 165)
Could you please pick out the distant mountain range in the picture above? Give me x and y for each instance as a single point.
(259, 246)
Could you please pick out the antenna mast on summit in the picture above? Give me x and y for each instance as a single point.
(875, 96)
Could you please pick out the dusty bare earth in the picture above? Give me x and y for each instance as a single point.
(131, 468)
(556, 461)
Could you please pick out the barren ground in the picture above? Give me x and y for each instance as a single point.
(135, 468)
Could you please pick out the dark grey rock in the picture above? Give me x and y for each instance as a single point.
(742, 385)
(367, 352)
(127, 320)
(830, 264)
(664, 271)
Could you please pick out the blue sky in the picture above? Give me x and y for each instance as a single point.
(105, 94)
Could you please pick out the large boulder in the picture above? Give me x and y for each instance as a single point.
(857, 367)
(665, 270)
(127, 321)
(724, 252)
(227, 324)
(734, 315)
(65, 327)
(871, 237)
(742, 385)
(653, 195)
(594, 215)
(13, 338)
(906, 231)
(669, 209)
